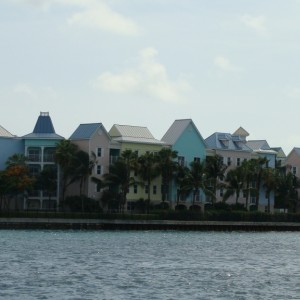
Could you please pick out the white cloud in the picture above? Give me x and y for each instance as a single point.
(149, 77)
(256, 23)
(92, 15)
(24, 89)
(224, 64)
(101, 17)
(293, 93)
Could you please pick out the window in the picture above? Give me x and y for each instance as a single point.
(221, 192)
(135, 189)
(154, 190)
(238, 161)
(99, 152)
(228, 161)
(244, 193)
(294, 170)
(98, 187)
(181, 161)
(99, 170)
(197, 159)
(252, 200)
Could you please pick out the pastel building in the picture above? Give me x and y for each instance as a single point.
(94, 140)
(139, 140)
(234, 148)
(9, 145)
(39, 149)
(184, 137)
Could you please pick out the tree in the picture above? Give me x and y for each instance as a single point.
(286, 194)
(235, 183)
(119, 178)
(270, 182)
(65, 157)
(17, 178)
(215, 170)
(148, 170)
(167, 168)
(196, 180)
(47, 180)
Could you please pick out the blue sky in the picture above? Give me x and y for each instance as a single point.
(223, 63)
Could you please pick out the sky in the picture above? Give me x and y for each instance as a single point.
(222, 63)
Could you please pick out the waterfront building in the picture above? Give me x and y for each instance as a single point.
(140, 140)
(39, 150)
(184, 137)
(94, 140)
(234, 148)
(9, 145)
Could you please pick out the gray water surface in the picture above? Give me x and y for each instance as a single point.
(149, 265)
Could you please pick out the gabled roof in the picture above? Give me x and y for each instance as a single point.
(258, 145)
(4, 132)
(227, 141)
(280, 152)
(176, 130)
(296, 150)
(43, 128)
(134, 134)
(86, 131)
(241, 131)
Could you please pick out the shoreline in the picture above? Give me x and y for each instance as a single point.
(101, 224)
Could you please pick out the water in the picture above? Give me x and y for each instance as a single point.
(149, 265)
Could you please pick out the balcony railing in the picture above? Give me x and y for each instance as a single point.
(49, 158)
(34, 157)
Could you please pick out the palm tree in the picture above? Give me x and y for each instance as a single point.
(270, 182)
(119, 178)
(84, 167)
(16, 160)
(235, 183)
(286, 191)
(180, 179)
(215, 170)
(65, 157)
(47, 180)
(168, 167)
(148, 170)
(196, 180)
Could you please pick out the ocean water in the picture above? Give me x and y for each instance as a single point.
(149, 265)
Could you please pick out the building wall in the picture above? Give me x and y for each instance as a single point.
(138, 192)
(9, 147)
(190, 146)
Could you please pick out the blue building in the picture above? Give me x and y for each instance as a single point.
(184, 137)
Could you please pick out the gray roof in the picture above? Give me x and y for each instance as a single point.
(47, 136)
(134, 134)
(297, 150)
(227, 141)
(86, 131)
(258, 145)
(280, 152)
(176, 130)
(4, 132)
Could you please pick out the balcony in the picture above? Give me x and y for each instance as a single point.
(34, 157)
(49, 158)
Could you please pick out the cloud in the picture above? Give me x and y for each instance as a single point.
(256, 23)
(101, 17)
(92, 14)
(149, 77)
(224, 64)
(293, 93)
(24, 89)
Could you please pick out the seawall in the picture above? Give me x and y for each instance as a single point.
(101, 224)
